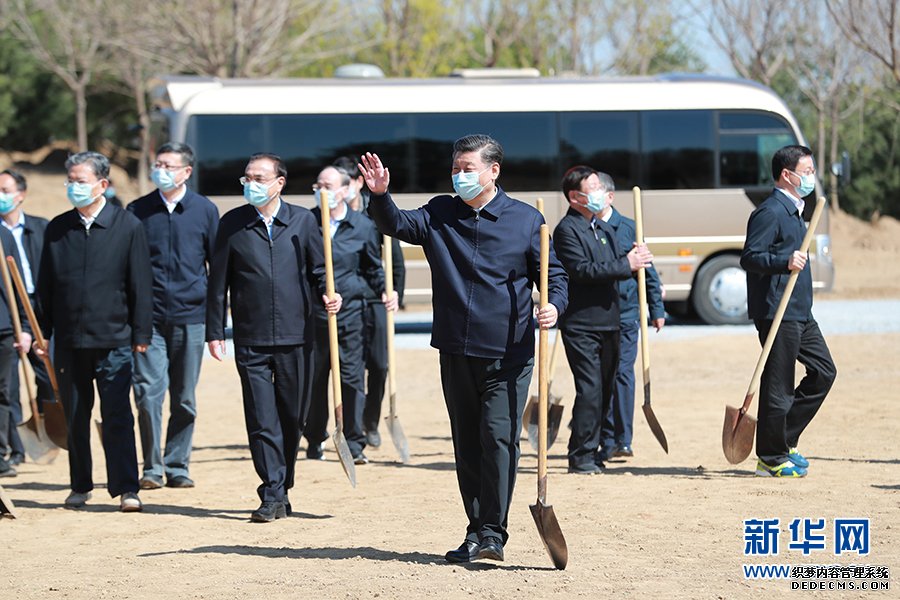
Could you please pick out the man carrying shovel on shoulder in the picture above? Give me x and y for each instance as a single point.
(774, 233)
(484, 251)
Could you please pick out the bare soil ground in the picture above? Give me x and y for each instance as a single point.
(654, 526)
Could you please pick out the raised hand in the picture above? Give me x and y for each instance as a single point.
(376, 175)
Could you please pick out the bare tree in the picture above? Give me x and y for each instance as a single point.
(873, 26)
(65, 37)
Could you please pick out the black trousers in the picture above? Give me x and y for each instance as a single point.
(485, 399)
(275, 386)
(785, 411)
(44, 392)
(8, 421)
(77, 370)
(351, 352)
(593, 357)
(376, 358)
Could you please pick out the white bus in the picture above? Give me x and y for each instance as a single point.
(699, 147)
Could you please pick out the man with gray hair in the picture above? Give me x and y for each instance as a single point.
(94, 297)
(484, 252)
(181, 230)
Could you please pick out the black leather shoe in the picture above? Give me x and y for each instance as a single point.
(180, 481)
(373, 438)
(5, 469)
(467, 551)
(360, 459)
(586, 468)
(16, 459)
(268, 512)
(490, 548)
(316, 451)
(288, 510)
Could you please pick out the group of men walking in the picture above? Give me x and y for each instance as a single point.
(129, 297)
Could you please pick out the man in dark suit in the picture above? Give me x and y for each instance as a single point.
(28, 232)
(181, 229)
(484, 252)
(774, 234)
(356, 258)
(94, 297)
(268, 255)
(587, 248)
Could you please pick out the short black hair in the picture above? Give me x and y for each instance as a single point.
(787, 158)
(348, 163)
(280, 169)
(186, 152)
(573, 178)
(490, 149)
(21, 184)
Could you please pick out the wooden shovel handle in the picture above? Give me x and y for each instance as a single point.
(17, 330)
(782, 307)
(543, 371)
(332, 318)
(33, 322)
(642, 285)
(388, 253)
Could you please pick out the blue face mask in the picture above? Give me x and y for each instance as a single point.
(332, 199)
(596, 202)
(164, 180)
(6, 203)
(80, 194)
(257, 193)
(466, 184)
(807, 184)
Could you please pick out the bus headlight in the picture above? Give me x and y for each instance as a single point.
(823, 247)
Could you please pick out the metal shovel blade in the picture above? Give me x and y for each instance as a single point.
(655, 427)
(7, 508)
(551, 534)
(553, 421)
(38, 446)
(398, 437)
(55, 422)
(531, 425)
(343, 450)
(738, 434)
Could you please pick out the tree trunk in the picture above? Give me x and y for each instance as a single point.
(140, 99)
(833, 153)
(81, 116)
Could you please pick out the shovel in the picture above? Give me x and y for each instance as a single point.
(7, 508)
(555, 410)
(393, 423)
(33, 433)
(652, 421)
(739, 429)
(544, 517)
(340, 442)
(54, 415)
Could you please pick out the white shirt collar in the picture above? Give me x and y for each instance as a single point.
(19, 223)
(171, 204)
(798, 202)
(88, 221)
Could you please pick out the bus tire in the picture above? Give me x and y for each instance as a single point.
(719, 293)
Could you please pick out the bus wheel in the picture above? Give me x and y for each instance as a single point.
(720, 291)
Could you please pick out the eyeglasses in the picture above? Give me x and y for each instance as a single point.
(246, 180)
(162, 165)
(316, 187)
(809, 172)
(67, 183)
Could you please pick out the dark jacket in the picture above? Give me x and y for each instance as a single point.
(356, 257)
(94, 288)
(271, 282)
(628, 288)
(594, 264)
(10, 248)
(397, 263)
(33, 242)
(774, 232)
(181, 246)
(483, 269)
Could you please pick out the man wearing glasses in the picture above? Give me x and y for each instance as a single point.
(774, 233)
(181, 229)
(269, 255)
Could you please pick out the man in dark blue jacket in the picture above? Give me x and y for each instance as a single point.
(629, 326)
(269, 256)
(181, 229)
(356, 259)
(774, 234)
(94, 297)
(587, 248)
(484, 251)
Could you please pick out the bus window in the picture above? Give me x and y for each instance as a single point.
(607, 141)
(678, 149)
(747, 142)
(529, 143)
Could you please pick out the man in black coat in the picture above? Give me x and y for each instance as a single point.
(484, 251)
(28, 232)
(587, 248)
(774, 234)
(269, 256)
(94, 298)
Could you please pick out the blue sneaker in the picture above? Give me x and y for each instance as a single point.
(797, 458)
(785, 469)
